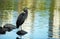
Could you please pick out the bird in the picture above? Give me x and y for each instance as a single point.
(21, 18)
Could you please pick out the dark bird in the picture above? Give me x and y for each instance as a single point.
(21, 18)
(9, 27)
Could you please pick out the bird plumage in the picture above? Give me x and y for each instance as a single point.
(21, 18)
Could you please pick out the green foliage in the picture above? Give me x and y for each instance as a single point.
(7, 5)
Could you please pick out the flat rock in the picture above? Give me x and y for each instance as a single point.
(21, 32)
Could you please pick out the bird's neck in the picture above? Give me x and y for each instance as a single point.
(26, 12)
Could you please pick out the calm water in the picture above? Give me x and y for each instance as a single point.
(39, 30)
(37, 26)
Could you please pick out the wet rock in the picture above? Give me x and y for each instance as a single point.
(2, 30)
(21, 32)
(9, 27)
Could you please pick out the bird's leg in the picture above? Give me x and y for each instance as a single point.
(21, 27)
(20, 35)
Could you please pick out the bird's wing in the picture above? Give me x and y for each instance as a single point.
(20, 19)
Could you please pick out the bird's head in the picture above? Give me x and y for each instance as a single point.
(25, 9)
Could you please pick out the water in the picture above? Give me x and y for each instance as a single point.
(41, 24)
(39, 30)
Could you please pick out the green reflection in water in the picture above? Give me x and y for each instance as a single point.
(35, 6)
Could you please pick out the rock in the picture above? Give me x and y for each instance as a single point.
(2, 30)
(21, 32)
(9, 27)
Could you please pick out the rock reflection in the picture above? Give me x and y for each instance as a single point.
(18, 38)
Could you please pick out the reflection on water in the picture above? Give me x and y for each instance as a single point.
(41, 25)
(39, 30)
(37, 26)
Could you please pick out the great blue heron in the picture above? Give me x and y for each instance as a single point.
(21, 18)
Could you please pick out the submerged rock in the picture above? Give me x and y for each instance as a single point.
(21, 32)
